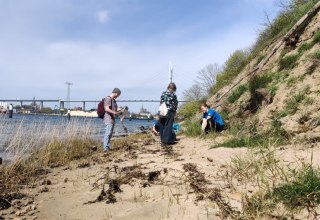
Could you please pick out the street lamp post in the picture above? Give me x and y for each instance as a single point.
(68, 94)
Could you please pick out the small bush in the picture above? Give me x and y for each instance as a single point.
(191, 128)
(293, 103)
(312, 68)
(304, 192)
(292, 12)
(233, 143)
(259, 59)
(233, 66)
(273, 90)
(188, 110)
(275, 135)
(288, 62)
(304, 47)
(316, 38)
(279, 76)
(294, 79)
(256, 83)
(237, 93)
(316, 55)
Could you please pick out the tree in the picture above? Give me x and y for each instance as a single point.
(194, 93)
(207, 77)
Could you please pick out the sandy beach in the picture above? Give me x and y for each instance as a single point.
(145, 181)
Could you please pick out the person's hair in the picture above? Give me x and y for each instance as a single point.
(172, 87)
(204, 105)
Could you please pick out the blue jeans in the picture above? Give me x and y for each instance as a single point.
(107, 136)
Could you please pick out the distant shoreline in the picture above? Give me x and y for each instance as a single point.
(77, 113)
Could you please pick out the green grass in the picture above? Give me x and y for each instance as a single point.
(237, 93)
(283, 23)
(232, 67)
(279, 76)
(256, 83)
(258, 140)
(275, 135)
(310, 70)
(233, 143)
(191, 128)
(288, 62)
(259, 59)
(294, 79)
(188, 110)
(292, 103)
(273, 90)
(304, 47)
(316, 38)
(316, 55)
(302, 192)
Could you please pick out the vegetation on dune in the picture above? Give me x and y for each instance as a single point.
(192, 128)
(232, 67)
(291, 12)
(237, 93)
(281, 190)
(188, 110)
(303, 191)
(248, 136)
(288, 62)
(41, 147)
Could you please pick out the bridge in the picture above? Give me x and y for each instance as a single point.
(63, 101)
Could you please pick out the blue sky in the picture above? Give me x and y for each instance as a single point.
(101, 44)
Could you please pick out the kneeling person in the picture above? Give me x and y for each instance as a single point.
(211, 119)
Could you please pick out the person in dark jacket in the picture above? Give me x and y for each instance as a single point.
(169, 97)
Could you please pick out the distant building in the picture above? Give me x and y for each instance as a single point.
(27, 109)
(3, 107)
(144, 111)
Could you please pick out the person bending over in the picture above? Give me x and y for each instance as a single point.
(211, 120)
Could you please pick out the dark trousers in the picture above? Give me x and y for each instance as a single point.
(166, 130)
(10, 113)
(213, 126)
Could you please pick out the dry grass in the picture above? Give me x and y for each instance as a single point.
(274, 185)
(34, 147)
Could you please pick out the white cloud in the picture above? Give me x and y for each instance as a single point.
(102, 16)
(39, 53)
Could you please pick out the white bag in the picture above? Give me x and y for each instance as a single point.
(163, 110)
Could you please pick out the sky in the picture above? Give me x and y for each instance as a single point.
(101, 44)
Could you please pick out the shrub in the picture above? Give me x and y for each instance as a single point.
(188, 110)
(288, 62)
(279, 76)
(293, 103)
(295, 10)
(294, 79)
(304, 47)
(258, 82)
(312, 68)
(191, 128)
(233, 66)
(275, 135)
(233, 143)
(255, 83)
(316, 38)
(237, 93)
(316, 55)
(303, 192)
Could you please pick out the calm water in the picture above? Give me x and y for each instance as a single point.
(33, 125)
